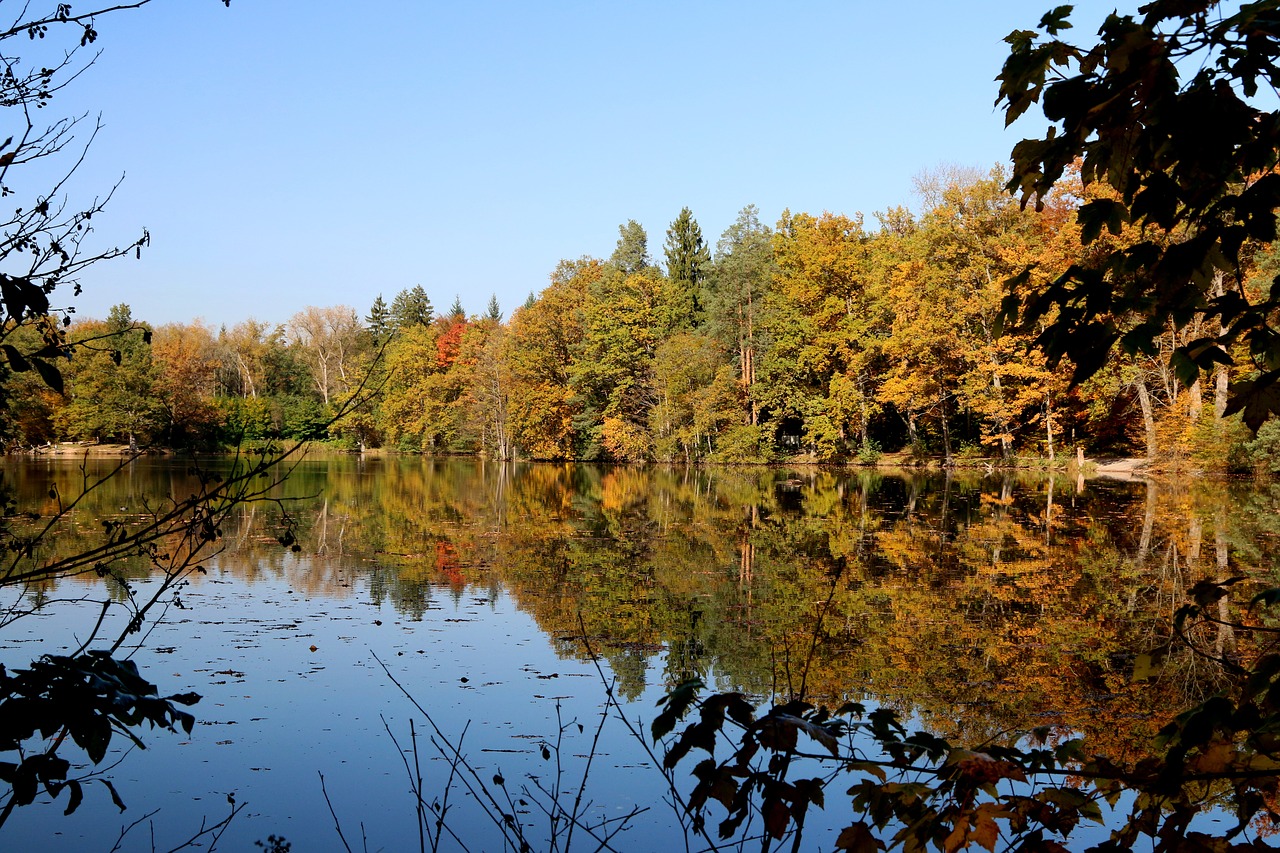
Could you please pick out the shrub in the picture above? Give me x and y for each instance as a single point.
(741, 444)
(1262, 452)
(869, 453)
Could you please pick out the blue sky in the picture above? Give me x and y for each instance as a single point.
(285, 154)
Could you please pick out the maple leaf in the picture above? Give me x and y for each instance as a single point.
(1216, 758)
(858, 839)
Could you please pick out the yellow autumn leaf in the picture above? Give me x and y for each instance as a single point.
(958, 838)
(1217, 758)
(986, 832)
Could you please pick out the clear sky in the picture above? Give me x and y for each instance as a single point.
(286, 153)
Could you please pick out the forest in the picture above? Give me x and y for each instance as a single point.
(824, 338)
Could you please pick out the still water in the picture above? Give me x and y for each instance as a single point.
(975, 605)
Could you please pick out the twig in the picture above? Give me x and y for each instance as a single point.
(586, 772)
(125, 830)
(214, 832)
(336, 823)
(416, 778)
(507, 824)
(611, 701)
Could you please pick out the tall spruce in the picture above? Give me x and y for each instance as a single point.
(411, 308)
(688, 261)
(493, 311)
(379, 319)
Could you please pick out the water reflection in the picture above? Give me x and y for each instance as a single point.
(981, 603)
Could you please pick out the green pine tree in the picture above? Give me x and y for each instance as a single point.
(494, 311)
(379, 319)
(688, 261)
(411, 308)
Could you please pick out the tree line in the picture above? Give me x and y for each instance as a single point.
(822, 337)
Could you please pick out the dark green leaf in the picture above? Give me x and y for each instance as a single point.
(1256, 399)
(50, 374)
(115, 796)
(1056, 20)
(1267, 598)
(1100, 213)
(75, 797)
(16, 361)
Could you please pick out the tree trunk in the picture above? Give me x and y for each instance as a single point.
(1148, 522)
(866, 417)
(1001, 423)
(946, 434)
(246, 376)
(1220, 392)
(1048, 512)
(1148, 416)
(322, 377)
(747, 355)
(1225, 641)
(1220, 374)
(1048, 425)
(322, 530)
(744, 359)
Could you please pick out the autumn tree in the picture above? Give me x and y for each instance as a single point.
(542, 349)
(27, 403)
(111, 382)
(1136, 108)
(820, 323)
(695, 398)
(186, 362)
(422, 405)
(411, 366)
(486, 381)
(242, 350)
(328, 339)
(631, 255)
(626, 317)
(737, 286)
(977, 236)
(921, 350)
(265, 385)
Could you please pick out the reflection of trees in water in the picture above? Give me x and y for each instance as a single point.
(1016, 598)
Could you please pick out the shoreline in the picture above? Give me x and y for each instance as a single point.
(1108, 468)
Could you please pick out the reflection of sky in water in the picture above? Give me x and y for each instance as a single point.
(275, 715)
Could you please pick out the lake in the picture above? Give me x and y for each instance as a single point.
(975, 605)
